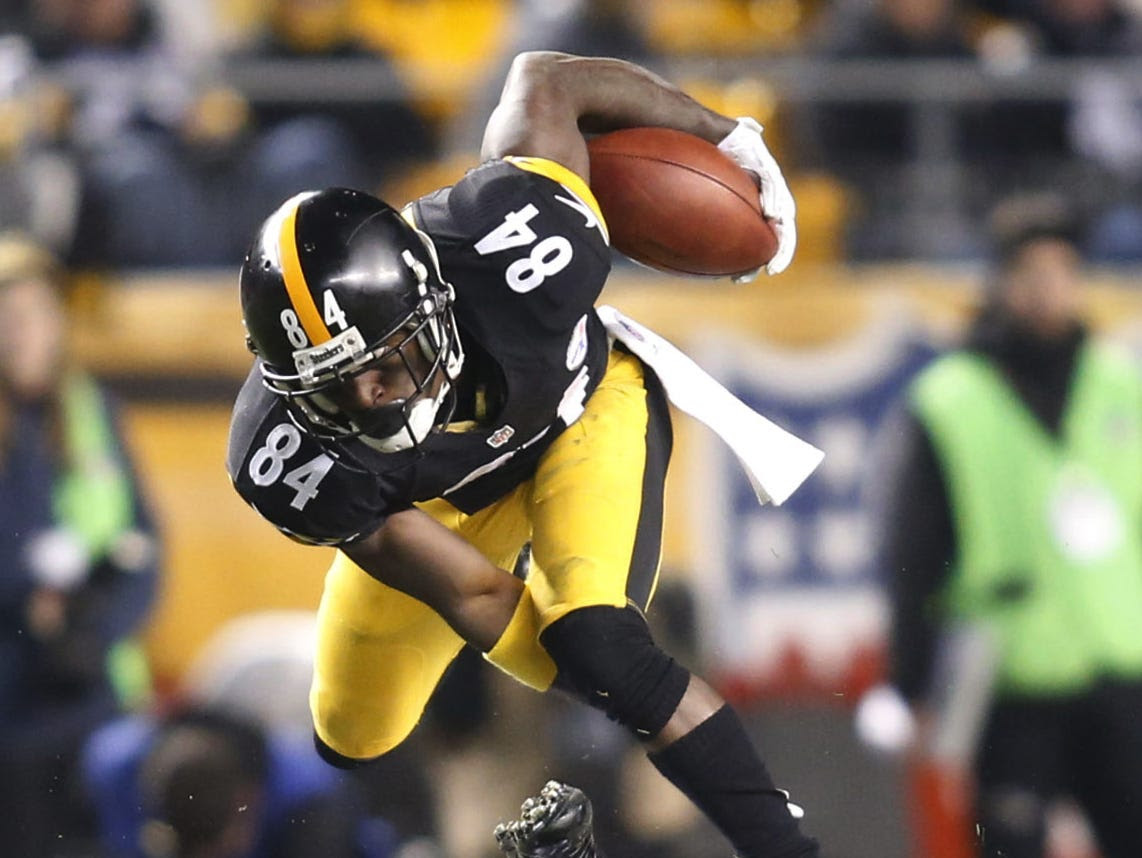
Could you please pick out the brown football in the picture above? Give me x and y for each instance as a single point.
(676, 203)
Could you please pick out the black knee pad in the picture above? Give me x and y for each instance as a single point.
(607, 657)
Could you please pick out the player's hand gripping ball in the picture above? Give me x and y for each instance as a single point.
(680, 204)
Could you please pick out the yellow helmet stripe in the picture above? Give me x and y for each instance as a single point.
(296, 287)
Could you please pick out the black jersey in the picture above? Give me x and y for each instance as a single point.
(527, 257)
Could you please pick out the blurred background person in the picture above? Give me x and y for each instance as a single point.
(1012, 520)
(187, 195)
(874, 146)
(368, 140)
(1089, 136)
(1092, 28)
(116, 59)
(924, 166)
(40, 186)
(598, 28)
(78, 560)
(204, 782)
(258, 667)
(175, 164)
(125, 94)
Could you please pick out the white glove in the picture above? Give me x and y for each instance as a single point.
(57, 558)
(884, 721)
(745, 146)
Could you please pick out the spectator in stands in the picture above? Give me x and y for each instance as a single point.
(874, 146)
(187, 185)
(602, 28)
(127, 96)
(188, 195)
(375, 133)
(205, 783)
(1102, 115)
(610, 28)
(1013, 540)
(1106, 133)
(1090, 28)
(114, 58)
(1086, 137)
(39, 170)
(885, 29)
(78, 560)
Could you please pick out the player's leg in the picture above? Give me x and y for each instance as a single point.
(381, 653)
(556, 823)
(597, 519)
(597, 499)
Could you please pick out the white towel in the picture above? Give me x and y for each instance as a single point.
(776, 461)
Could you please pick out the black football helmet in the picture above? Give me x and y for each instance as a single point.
(335, 281)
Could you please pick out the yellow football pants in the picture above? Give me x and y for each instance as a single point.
(593, 513)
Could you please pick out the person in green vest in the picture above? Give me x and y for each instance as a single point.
(78, 561)
(1012, 534)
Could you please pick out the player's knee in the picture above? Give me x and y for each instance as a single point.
(607, 657)
(352, 746)
(339, 760)
(354, 727)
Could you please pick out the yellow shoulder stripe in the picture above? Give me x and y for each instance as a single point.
(558, 173)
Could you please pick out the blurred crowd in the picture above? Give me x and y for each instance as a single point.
(149, 133)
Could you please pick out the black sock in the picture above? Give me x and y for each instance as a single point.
(717, 767)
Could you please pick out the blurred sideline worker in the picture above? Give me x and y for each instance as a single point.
(475, 311)
(1013, 537)
(205, 783)
(78, 560)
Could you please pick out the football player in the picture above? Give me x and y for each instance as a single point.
(433, 388)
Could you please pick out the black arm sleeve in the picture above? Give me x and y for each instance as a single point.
(916, 549)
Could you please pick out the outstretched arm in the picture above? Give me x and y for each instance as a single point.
(551, 99)
(417, 555)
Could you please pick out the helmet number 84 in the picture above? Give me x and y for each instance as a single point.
(333, 315)
(547, 258)
(268, 464)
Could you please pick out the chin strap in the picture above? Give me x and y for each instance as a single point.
(418, 423)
